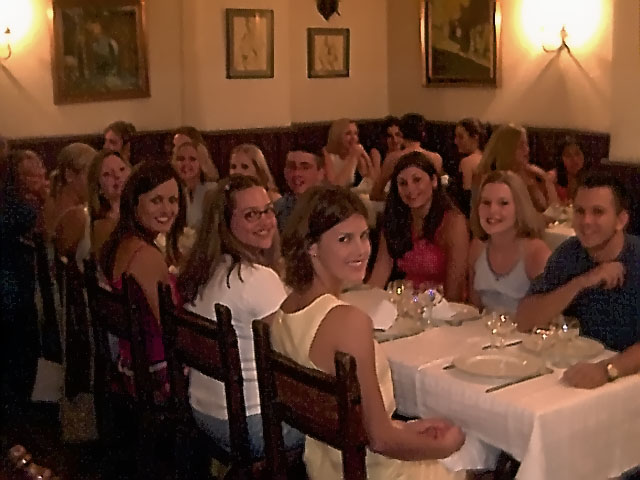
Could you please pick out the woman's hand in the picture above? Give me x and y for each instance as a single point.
(448, 437)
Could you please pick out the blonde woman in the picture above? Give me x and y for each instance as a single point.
(108, 173)
(508, 149)
(507, 252)
(64, 211)
(191, 162)
(344, 154)
(248, 160)
(191, 134)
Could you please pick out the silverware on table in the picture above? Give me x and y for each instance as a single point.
(541, 373)
(510, 344)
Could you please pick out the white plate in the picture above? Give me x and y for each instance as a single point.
(581, 348)
(499, 365)
(461, 313)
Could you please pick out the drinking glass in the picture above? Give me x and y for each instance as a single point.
(491, 323)
(568, 328)
(504, 327)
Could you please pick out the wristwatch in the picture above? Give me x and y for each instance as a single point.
(612, 372)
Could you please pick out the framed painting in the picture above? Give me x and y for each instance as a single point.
(459, 44)
(249, 43)
(99, 51)
(327, 52)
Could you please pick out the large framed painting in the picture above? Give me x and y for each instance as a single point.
(99, 50)
(249, 43)
(459, 42)
(327, 52)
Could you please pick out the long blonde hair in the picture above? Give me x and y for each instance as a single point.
(529, 223)
(336, 132)
(75, 158)
(500, 151)
(259, 163)
(208, 171)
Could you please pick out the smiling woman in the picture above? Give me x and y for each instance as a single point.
(151, 203)
(234, 262)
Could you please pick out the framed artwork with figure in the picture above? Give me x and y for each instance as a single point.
(249, 43)
(327, 52)
(459, 42)
(99, 51)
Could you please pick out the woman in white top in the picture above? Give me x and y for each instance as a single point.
(197, 174)
(232, 262)
(507, 252)
(344, 153)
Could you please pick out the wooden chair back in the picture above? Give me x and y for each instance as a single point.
(211, 347)
(325, 407)
(115, 313)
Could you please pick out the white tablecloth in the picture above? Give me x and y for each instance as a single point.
(555, 235)
(556, 432)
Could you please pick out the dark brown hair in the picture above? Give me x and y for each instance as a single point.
(319, 209)
(145, 177)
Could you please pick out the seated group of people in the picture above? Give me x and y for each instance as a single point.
(286, 259)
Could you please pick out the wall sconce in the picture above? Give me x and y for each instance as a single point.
(553, 47)
(5, 45)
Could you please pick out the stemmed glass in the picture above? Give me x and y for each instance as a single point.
(499, 324)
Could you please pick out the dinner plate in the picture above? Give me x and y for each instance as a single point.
(577, 348)
(455, 313)
(499, 365)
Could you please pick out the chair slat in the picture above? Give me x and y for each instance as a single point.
(320, 405)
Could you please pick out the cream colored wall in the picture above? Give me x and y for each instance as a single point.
(536, 88)
(364, 93)
(186, 45)
(211, 100)
(26, 92)
(625, 72)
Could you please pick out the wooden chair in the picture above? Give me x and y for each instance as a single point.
(113, 313)
(210, 347)
(320, 405)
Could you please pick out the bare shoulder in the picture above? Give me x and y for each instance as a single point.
(475, 249)
(349, 324)
(146, 262)
(536, 255)
(454, 220)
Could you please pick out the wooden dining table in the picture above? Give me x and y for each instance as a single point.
(555, 431)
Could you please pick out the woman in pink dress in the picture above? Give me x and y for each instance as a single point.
(425, 238)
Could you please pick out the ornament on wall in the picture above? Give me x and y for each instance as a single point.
(328, 8)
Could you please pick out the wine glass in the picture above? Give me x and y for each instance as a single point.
(491, 323)
(568, 328)
(504, 326)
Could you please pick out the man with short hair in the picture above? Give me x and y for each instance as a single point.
(302, 170)
(595, 277)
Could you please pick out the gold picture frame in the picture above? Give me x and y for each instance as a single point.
(249, 43)
(99, 51)
(459, 43)
(328, 52)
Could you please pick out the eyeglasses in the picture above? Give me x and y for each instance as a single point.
(252, 215)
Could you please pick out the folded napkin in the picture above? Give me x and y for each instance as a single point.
(375, 303)
(443, 311)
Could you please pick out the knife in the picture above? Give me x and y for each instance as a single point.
(519, 380)
(510, 344)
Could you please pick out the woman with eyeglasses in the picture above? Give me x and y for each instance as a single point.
(234, 261)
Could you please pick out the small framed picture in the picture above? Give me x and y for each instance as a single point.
(327, 52)
(99, 51)
(459, 44)
(249, 43)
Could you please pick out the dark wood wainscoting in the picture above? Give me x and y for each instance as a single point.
(276, 142)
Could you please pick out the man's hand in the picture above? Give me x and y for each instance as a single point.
(607, 275)
(586, 375)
